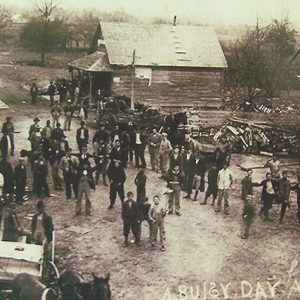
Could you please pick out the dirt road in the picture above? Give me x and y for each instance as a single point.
(202, 246)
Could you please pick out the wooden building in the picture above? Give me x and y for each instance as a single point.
(160, 65)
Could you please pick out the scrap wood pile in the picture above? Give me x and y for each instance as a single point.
(244, 136)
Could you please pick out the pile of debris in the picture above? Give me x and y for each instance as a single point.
(250, 137)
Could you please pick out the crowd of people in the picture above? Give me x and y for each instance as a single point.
(106, 155)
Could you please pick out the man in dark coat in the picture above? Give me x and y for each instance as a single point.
(140, 182)
(101, 136)
(57, 134)
(131, 133)
(34, 93)
(85, 184)
(130, 216)
(68, 164)
(125, 144)
(41, 225)
(101, 161)
(4, 146)
(188, 166)
(175, 179)
(33, 127)
(82, 136)
(249, 208)
(8, 176)
(40, 173)
(20, 179)
(51, 92)
(117, 177)
(8, 130)
(12, 229)
(117, 153)
(175, 158)
(139, 142)
(284, 194)
(212, 187)
(199, 174)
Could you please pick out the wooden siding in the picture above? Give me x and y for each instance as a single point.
(178, 87)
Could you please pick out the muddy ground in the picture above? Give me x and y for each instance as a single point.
(202, 246)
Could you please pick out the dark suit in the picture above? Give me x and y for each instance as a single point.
(139, 149)
(117, 154)
(130, 216)
(188, 167)
(20, 179)
(47, 224)
(175, 161)
(117, 178)
(82, 141)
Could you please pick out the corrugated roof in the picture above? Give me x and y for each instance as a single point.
(95, 62)
(163, 45)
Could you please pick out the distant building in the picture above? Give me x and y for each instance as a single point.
(160, 65)
(16, 21)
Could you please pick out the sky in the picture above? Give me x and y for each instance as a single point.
(227, 12)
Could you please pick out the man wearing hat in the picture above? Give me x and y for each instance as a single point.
(55, 156)
(57, 134)
(47, 130)
(157, 214)
(212, 187)
(100, 137)
(69, 110)
(284, 194)
(20, 175)
(41, 225)
(164, 151)
(8, 130)
(68, 164)
(175, 179)
(40, 173)
(34, 126)
(154, 141)
(139, 141)
(51, 92)
(35, 139)
(175, 158)
(130, 216)
(85, 184)
(188, 167)
(12, 229)
(199, 176)
(33, 93)
(82, 136)
(56, 111)
(225, 181)
(117, 178)
(249, 208)
(117, 153)
(131, 133)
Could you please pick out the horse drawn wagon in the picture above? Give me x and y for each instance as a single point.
(20, 257)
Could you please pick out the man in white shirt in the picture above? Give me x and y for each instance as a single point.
(225, 181)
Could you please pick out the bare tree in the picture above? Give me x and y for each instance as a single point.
(45, 8)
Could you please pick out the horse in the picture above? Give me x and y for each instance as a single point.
(73, 288)
(27, 287)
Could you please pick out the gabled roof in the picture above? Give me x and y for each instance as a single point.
(162, 45)
(95, 62)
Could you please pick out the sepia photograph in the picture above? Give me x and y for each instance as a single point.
(150, 150)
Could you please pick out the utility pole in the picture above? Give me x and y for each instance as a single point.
(132, 80)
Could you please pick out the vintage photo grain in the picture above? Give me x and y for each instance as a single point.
(149, 150)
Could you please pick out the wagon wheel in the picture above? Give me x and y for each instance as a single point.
(50, 273)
